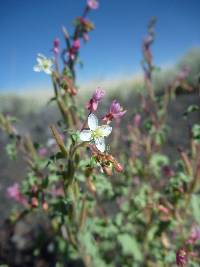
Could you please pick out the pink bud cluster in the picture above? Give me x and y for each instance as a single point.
(83, 26)
(181, 257)
(184, 253)
(115, 111)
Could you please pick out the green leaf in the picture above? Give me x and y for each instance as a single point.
(195, 203)
(103, 185)
(11, 151)
(119, 219)
(190, 109)
(152, 232)
(169, 258)
(130, 246)
(156, 163)
(196, 132)
(193, 264)
(87, 241)
(51, 100)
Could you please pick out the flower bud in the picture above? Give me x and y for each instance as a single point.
(115, 112)
(163, 209)
(45, 206)
(34, 202)
(181, 257)
(92, 105)
(92, 4)
(56, 45)
(118, 167)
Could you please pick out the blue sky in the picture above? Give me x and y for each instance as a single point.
(29, 26)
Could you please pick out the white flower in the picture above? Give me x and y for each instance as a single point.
(96, 133)
(44, 64)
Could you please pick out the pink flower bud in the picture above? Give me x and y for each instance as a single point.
(76, 44)
(181, 257)
(92, 105)
(163, 209)
(56, 45)
(118, 167)
(92, 4)
(34, 202)
(115, 112)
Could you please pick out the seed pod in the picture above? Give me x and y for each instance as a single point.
(34, 202)
(45, 206)
(118, 167)
(107, 170)
(91, 186)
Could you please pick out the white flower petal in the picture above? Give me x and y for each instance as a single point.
(41, 56)
(106, 129)
(92, 122)
(85, 135)
(100, 144)
(37, 68)
(48, 71)
(39, 60)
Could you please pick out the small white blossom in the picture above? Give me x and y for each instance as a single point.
(96, 133)
(43, 64)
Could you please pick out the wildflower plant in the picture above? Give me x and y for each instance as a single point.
(139, 208)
